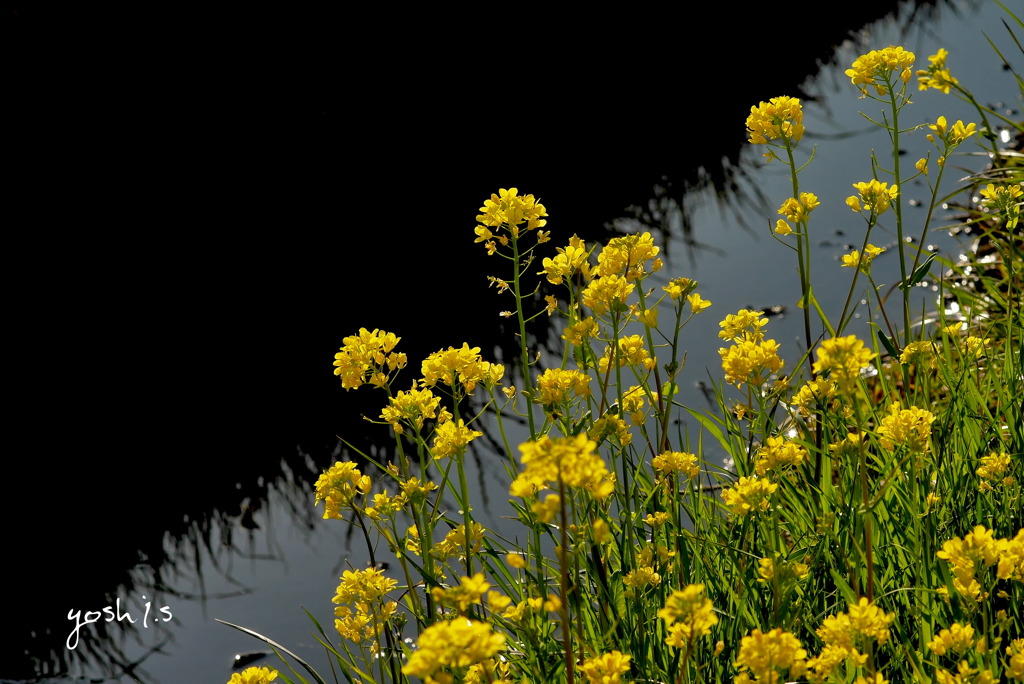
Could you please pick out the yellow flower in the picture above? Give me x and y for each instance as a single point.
(577, 333)
(772, 571)
(862, 622)
(688, 614)
(625, 256)
(254, 675)
(936, 76)
(957, 638)
(777, 454)
(455, 644)
(977, 550)
(877, 67)
(743, 325)
(515, 560)
(783, 228)
(862, 261)
(338, 485)
(875, 196)
(557, 386)
(1004, 199)
(606, 668)
(642, 577)
(817, 392)
(509, 209)
(780, 117)
(748, 361)
(767, 655)
(364, 356)
(906, 427)
(1015, 668)
(993, 467)
(607, 293)
(917, 352)
(922, 165)
(469, 591)
(412, 407)
(799, 210)
(843, 358)
(462, 366)
(671, 462)
(697, 304)
(451, 438)
(951, 137)
(678, 288)
(570, 460)
(749, 495)
(569, 261)
(631, 352)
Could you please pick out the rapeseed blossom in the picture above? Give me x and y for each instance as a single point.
(906, 427)
(451, 438)
(842, 358)
(454, 543)
(771, 570)
(557, 386)
(780, 117)
(768, 656)
(254, 675)
(569, 460)
(462, 366)
(669, 463)
(876, 197)
(799, 210)
(743, 325)
(579, 332)
(957, 639)
(993, 467)
(1004, 199)
(459, 643)
(606, 668)
(469, 591)
(748, 361)
(688, 614)
(678, 288)
(510, 209)
(777, 454)
(877, 67)
(936, 76)
(626, 256)
(568, 262)
(749, 495)
(631, 353)
(920, 351)
(364, 357)
(338, 486)
(862, 261)
(863, 622)
(412, 407)
(951, 136)
(367, 613)
(607, 293)
(977, 550)
(817, 392)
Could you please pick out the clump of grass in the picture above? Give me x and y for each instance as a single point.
(868, 529)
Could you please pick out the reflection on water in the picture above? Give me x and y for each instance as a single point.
(187, 488)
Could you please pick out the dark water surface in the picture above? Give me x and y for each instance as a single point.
(202, 218)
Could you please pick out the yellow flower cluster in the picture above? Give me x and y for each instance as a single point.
(749, 495)
(412, 408)
(672, 462)
(772, 571)
(368, 613)
(557, 386)
(568, 262)
(1015, 668)
(454, 543)
(641, 578)
(780, 117)
(862, 622)
(338, 485)
(743, 325)
(470, 590)
(626, 256)
(817, 392)
(254, 675)
(799, 210)
(842, 358)
(874, 196)
(906, 427)
(531, 606)
(579, 332)
(451, 438)
(777, 454)
(1004, 199)
(876, 69)
(631, 353)
(688, 614)
(364, 356)
(993, 467)
(978, 550)
(510, 210)
(769, 656)
(463, 366)
(457, 644)
(920, 351)
(606, 668)
(750, 362)
(607, 293)
(951, 136)
(570, 460)
(957, 639)
(936, 76)
(678, 288)
(862, 261)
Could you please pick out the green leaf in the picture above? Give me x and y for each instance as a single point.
(887, 343)
(918, 275)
